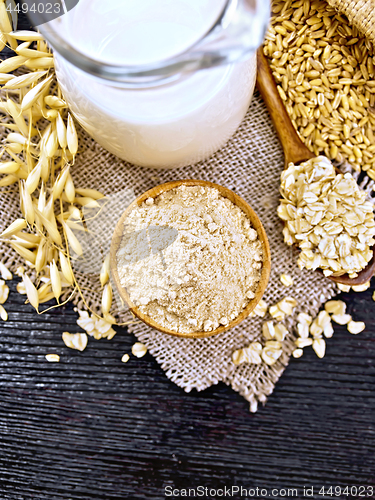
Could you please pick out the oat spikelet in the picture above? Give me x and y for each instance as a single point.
(90, 193)
(41, 256)
(23, 252)
(15, 112)
(104, 273)
(40, 63)
(32, 182)
(107, 298)
(31, 291)
(12, 64)
(69, 189)
(26, 36)
(72, 239)
(58, 188)
(33, 95)
(22, 81)
(66, 268)
(55, 280)
(72, 137)
(27, 204)
(15, 148)
(9, 167)
(6, 25)
(3, 42)
(61, 131)
(30, 53)
(50, 227)
(52, 144)
(15, 137)
(8, 180)
(14, 228)
(55, 102)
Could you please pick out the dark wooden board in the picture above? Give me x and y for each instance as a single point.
(91, 427)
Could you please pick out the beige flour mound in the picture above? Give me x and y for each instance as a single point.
(189, 259)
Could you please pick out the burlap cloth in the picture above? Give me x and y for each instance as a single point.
(250, 163)
(361, 13)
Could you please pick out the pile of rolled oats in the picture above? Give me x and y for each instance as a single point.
(328, 217)
(274, 334)
(310, 331)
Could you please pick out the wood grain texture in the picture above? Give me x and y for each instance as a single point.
(93, 427)
(294, 149)
(255, 224)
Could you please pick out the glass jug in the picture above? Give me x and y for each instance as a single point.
(159, 83)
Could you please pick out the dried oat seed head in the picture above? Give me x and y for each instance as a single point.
(107, 298)
(31, 291)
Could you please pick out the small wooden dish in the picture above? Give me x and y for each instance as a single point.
(226, 193)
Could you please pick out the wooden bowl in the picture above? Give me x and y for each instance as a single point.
(226, 193)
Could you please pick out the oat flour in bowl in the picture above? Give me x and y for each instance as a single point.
(189, 259)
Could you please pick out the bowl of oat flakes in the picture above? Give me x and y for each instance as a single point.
(190, 258)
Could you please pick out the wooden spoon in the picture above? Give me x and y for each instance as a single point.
(226, 193)
(294, 149)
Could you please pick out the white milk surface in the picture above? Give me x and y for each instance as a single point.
(139, 31)
(168, 125)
